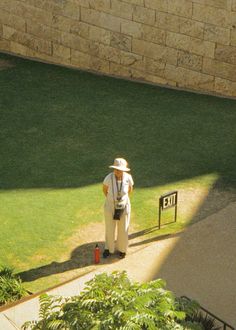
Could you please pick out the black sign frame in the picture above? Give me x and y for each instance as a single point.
(168, 201)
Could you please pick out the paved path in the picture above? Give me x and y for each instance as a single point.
(199, 263)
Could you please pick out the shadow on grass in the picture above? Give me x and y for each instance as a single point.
(81, 257)
(62, 128)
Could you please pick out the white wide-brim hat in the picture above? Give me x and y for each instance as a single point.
(120, 164)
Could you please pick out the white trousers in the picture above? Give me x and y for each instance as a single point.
(122, 227)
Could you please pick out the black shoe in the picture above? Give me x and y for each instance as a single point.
(122, 255)
(106, 253)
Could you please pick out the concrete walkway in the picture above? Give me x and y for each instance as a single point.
(199, 263)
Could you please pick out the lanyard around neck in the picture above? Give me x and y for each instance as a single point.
(117, 187)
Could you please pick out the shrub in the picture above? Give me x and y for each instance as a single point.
(114, 302)
(11, 288)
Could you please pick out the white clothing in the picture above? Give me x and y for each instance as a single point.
(109, 208)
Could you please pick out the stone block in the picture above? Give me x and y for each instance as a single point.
(18, 49)
(167, 22)
(189, 78)
(43, 31)
(226, 54)
(190, 61)
(61, 51)
(99, 35)
(159, 80)
(80, 28)
(80, 59)
(211, 15)
(100, 19)
(98, 65)
(130, 59)
(71, 9)
(84, 3)
(155, 51)
(5, 44)
(14, 21)
(138, 74)
(234, 5)
(64, 8)
(232, 20)
(121, 9)
(119, 70)
(219, 69)
(61, 23)
(217, 34)
(225, 87)
(120, 41)
(26, 11)
(88, 62)
(161, 5)
(132, 29)
(8, 32)
(100, 5)
(136, 2)
(190, 44)
(109, 53)
(27, 40)
(191, 28)
(156, 67)
(225, 4)
(180, 7)
(202, 47)
(144, 15)
(154, 35)
(49, 6)
(233, 37)
(75, 42)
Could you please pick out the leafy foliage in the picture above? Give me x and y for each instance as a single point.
(207, 322)
(11, 288)
(114, 302)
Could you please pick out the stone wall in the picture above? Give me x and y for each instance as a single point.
(184, 43)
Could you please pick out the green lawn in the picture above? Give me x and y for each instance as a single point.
(61, 128)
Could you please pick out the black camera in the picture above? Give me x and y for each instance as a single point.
(118, 214)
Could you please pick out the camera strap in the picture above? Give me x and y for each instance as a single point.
(117, 187)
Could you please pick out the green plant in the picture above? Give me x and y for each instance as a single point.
(114, 302)
(206, 321)
(11, 288)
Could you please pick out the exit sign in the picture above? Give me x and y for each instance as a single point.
(167, 201)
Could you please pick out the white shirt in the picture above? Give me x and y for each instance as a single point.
(123, 186)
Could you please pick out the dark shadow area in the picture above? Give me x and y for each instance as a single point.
(143, 232)
(217, 199)
(200, 264)
(62, 128)
(153, 239)
(81, 257)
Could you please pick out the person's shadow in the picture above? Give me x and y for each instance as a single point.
(82, 256)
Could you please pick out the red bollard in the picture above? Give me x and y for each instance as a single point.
(96, 254)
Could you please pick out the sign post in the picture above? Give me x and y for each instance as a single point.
(167, 201)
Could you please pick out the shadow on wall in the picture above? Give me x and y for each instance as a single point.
(62, 128)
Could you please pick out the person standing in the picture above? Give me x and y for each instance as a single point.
(116, 187)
